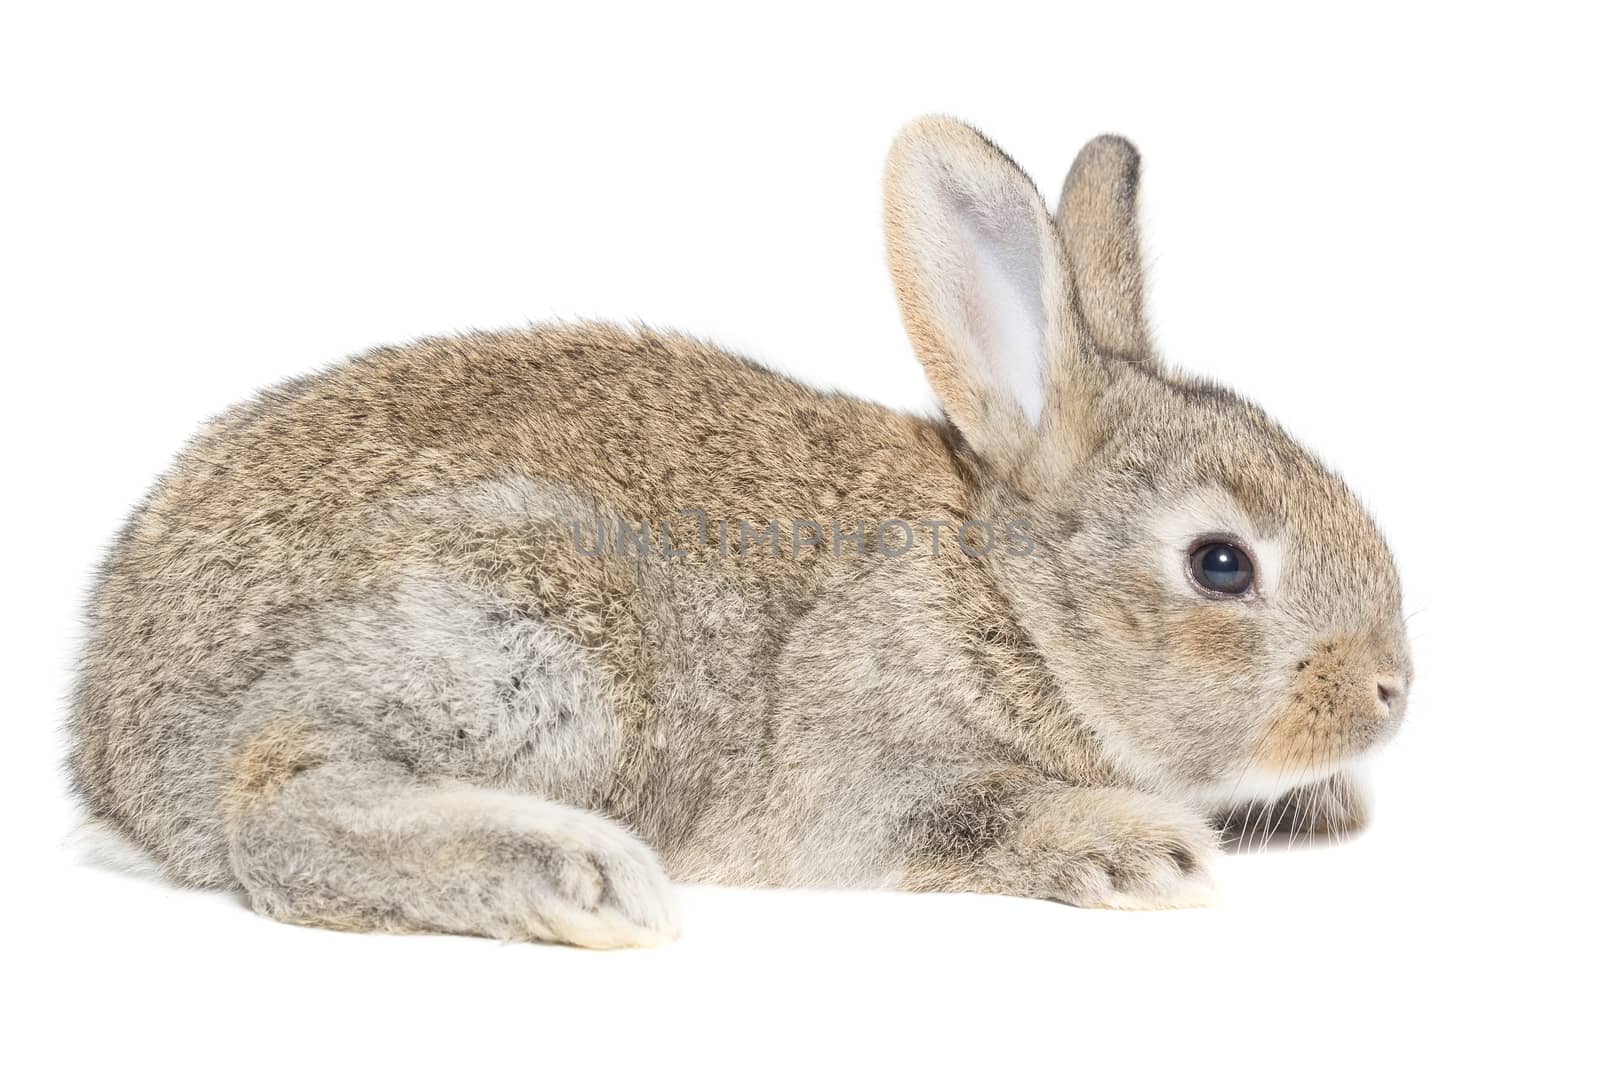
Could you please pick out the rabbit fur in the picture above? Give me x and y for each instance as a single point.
(365, 654)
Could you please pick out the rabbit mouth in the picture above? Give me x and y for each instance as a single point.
(1345, 700)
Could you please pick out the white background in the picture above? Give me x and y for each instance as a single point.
(1380, 224)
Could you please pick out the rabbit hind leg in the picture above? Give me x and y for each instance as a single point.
(363, 844)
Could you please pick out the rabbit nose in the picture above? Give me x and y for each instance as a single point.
(1390, 693)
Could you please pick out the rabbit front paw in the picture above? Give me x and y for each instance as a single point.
(1093, 848)
(1116, 848)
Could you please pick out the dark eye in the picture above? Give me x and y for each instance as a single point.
(1222, 568)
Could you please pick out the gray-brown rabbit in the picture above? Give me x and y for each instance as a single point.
(495, 634)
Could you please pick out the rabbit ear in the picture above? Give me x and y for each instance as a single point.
(982, 284)
(1099, 221)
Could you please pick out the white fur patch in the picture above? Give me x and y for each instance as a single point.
(1189, 893)
(1212, 512)
(99, 844)
(1257, 784)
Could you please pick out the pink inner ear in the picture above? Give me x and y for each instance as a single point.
(1002, 301)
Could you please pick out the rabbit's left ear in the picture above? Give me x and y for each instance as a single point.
(982, 281)
(1098, 216)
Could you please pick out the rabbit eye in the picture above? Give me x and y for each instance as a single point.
(1218, 567)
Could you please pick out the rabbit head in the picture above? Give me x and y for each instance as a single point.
(1212, 601)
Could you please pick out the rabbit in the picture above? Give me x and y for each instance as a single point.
(502, 634)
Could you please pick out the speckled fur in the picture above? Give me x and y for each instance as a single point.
(348, 657)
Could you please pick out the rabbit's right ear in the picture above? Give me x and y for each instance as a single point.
(1099, 219)
(982, 282)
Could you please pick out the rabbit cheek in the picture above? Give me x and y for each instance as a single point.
(1217, 640)
(1214, 690)
(1332, 713)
